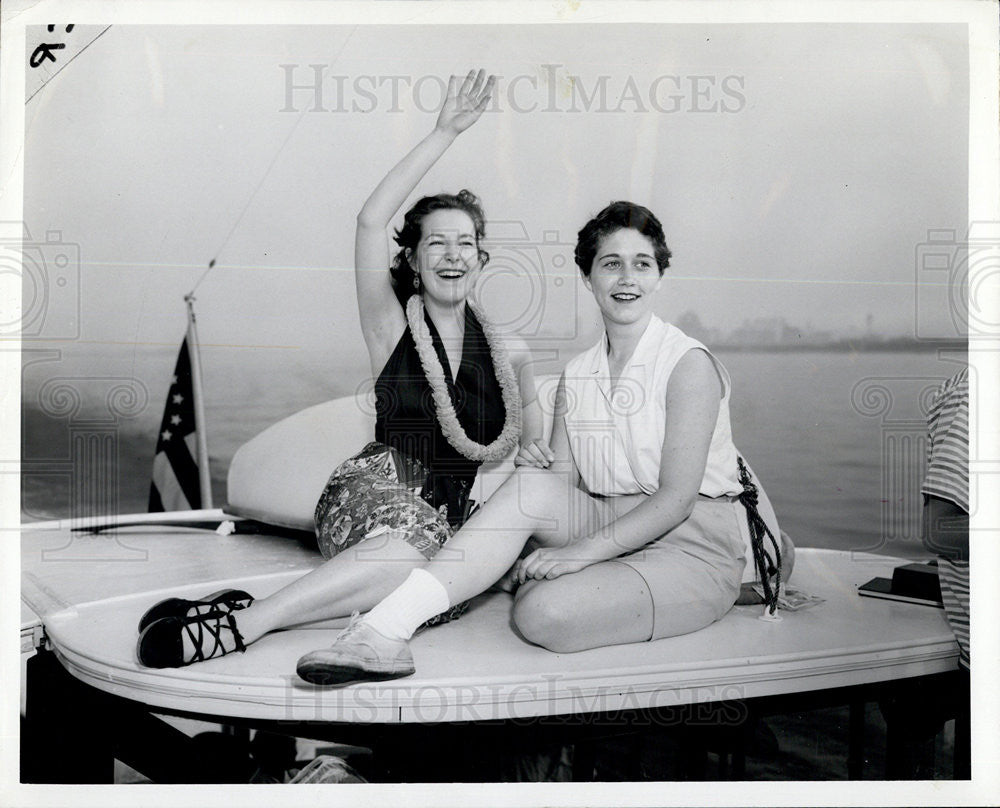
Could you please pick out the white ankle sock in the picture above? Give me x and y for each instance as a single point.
(419, 598)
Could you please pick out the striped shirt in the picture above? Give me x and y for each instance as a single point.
(954, 577)
(948, 443)
(948, 478)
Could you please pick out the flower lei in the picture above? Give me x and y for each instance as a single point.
(445, 409)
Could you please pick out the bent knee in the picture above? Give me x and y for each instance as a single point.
(544, 621)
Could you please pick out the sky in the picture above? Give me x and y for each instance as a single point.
(797, 169)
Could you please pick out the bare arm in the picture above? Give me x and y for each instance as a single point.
(693, 395)
(554, 454)
(531, 410)
(945, 529)
(559, 441)
(382, 319)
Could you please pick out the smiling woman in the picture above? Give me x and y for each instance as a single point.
(451, 393)
(449, 252)
(636, 523)
(439, 233)
(622, 254)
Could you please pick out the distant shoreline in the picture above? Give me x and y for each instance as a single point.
(900, 345)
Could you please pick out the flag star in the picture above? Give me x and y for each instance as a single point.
(166, 434)
(178, 398)
(173, 379)
(175, 419)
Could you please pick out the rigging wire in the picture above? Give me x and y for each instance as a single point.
(274, 160)
(250, 199)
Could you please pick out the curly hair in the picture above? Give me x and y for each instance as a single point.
(409, 235)
(620, 216)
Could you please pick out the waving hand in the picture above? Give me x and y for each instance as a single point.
(465, 103)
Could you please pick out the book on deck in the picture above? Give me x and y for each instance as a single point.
(910, 583)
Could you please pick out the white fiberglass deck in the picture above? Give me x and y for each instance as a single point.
(91, 589)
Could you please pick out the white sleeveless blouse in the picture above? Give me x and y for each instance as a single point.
(617, 440)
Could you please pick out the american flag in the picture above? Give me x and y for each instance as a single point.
(175, 485)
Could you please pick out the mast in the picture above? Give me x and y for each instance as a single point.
(204, 476)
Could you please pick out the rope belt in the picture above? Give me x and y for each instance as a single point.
(765, 567)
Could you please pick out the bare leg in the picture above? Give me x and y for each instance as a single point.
(531, 503)
(354, 580)
(603, 604)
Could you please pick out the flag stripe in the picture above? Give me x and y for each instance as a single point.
(155, 503)
(185, 470)
(176, 484)
(172, 496)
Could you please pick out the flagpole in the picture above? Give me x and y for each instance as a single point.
(204, 477)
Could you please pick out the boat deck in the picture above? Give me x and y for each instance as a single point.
(90, 589)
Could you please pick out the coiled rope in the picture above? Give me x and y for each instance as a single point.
(766, 569)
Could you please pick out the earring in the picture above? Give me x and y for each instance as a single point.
(416, 282)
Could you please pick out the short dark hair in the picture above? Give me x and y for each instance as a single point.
(408, 236)
(620, 216)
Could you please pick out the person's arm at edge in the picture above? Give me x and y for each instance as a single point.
(945, 528)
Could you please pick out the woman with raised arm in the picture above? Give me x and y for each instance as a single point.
(451, 394)
(639, 514)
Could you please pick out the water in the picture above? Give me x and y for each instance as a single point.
(839, 441)
(843, 473)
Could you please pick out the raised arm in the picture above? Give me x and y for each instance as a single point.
(382, 319)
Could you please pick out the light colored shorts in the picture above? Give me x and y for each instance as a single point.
(692, 572)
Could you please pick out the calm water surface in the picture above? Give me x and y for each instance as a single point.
(837, 438)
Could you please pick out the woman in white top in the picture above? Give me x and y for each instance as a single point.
(627, 526)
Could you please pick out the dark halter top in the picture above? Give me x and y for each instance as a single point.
(406, 419)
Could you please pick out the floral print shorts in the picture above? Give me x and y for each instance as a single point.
(378, 491)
